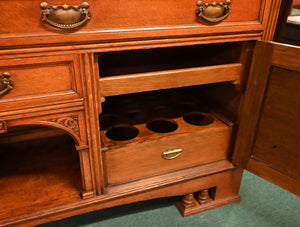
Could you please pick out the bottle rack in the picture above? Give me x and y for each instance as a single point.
(140, 131)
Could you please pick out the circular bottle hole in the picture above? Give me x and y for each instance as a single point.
(122, 132)
(197, 118)
(162, 125)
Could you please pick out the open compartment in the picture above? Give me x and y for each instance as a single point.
(153, 133)
(132, 71)
(37, 172)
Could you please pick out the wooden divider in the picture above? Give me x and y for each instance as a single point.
(131, 83)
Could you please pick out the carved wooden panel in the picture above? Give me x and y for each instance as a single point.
(70, 123)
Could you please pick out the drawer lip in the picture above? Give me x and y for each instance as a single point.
(41, 96)
(57, 107)
(218, 32)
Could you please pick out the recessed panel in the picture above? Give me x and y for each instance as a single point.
(40, 81)
(277, 141)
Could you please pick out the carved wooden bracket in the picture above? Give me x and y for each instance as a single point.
(70, 123)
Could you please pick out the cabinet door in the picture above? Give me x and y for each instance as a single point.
(268, 139)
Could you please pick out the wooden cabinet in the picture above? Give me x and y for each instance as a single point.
(144, 99)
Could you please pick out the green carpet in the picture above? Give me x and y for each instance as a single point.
(263, 204)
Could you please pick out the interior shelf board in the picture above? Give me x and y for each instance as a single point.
(131, 83)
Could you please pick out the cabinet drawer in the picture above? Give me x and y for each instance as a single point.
(140, 18)
(142, 160)
(145, 135)
(40, 81)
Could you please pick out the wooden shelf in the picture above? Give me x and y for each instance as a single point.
(134, 71)
(37, 175)
(131, 83)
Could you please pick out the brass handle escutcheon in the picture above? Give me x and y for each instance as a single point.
(65, 16)
(6, 84)
(171, 153)
(213, 12)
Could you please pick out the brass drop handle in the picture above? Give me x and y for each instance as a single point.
(6, 84)
(171, 153)
(65, 16)
(213, 12)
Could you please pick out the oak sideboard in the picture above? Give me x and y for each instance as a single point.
(104, 103)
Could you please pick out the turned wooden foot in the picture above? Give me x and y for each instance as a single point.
(186, 203)
(203, 200)
(188, 200)
(204, 197)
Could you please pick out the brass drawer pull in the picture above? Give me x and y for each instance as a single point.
(6, 84)
(3, 127)
(65, 16)
(171, 153)
(213, 12)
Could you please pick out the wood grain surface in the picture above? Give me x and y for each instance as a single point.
(268, 137)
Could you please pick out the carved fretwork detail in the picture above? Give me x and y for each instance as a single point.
(70, 122)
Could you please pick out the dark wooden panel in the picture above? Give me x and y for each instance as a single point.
(268, 137)
(278, 139)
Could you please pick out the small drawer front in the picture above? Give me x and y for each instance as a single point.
(161, 156)
(38, 81)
